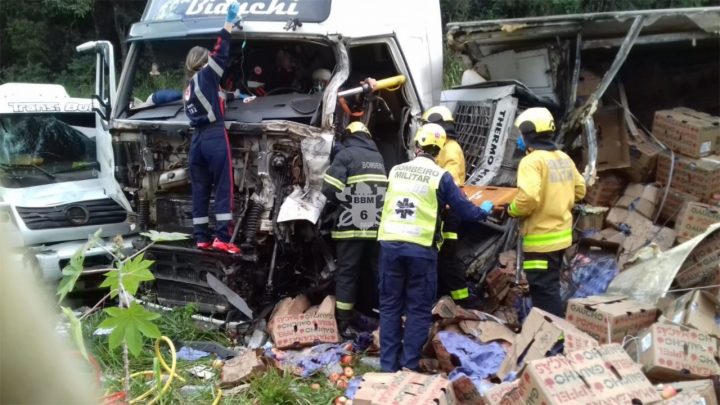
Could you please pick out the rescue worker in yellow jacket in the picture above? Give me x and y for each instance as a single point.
(451, 270)
(549, 185)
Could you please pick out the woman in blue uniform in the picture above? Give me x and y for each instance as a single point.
(210, 162)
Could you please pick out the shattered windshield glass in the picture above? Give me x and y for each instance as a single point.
(41, 149)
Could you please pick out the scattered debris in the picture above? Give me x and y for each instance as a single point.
(241, 368)
(291, 327)
(202, 372)
(190, 354)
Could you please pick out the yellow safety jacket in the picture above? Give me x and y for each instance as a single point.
(549, 185)
(452, 159)
(410, 212)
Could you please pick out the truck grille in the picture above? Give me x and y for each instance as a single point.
(93, 212)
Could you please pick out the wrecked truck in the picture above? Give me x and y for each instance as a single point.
(281, 140)
(56, 181)
(603, 75)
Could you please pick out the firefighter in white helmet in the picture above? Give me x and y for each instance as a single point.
(549, 185)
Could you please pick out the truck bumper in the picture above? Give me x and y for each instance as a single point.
(51, 259)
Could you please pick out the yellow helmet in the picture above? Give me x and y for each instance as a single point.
(431, 135)
(357, 127)
(537, 120)
(436, 114)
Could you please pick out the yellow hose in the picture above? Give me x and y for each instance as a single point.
(216, 401)
(169, 369)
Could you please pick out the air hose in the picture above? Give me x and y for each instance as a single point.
(171, 374)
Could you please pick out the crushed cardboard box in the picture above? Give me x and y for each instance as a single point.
(697, 309)
(292, 330)
(695, 218)
(404, 388)
(590, 218)
(702, 267)
(502, 392)
(640, 198)
(241, 368)
(671, 352)
(686, 133)
(541, 333)
(612, 139)
(588, 82)
(704, 388)
(610, 318)
(673, 203)
(605, 191)
(598, 375)
(697, 177)
(687, 397)
(643, 161)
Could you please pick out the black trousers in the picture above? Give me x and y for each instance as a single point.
(356, 258)
(543, 274)
(451, 270)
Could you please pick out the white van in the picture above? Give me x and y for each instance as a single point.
(281, 140)
(56, 183)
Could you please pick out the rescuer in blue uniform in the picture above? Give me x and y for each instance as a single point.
(409, 234)
(210, 162)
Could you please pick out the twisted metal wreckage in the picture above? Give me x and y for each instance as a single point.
(281, 143)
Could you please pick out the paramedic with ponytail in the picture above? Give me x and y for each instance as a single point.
(210, 162)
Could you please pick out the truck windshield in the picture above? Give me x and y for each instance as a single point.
(42, 149)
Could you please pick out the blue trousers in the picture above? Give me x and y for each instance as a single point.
(211, 170)
(407, 283)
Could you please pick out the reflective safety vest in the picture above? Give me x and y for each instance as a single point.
(411, 211)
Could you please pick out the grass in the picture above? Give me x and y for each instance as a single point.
(270, 388)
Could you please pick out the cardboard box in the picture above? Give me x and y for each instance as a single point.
(640, 198)
(541, 333)
(702, 267)
(673, 204)
(697, 177)
(671, 352)
(612, 139)
(501, 392)
(705, 388)
(618, 216)
(591, 218)
(292, 330)
(588, 82)
(687, 397)
(643, 161)
(404, 388)
(600, 375)
(684, 133)
(694, 219)
(609, 319)
(241, 368)
(697, 309)
(605, 191)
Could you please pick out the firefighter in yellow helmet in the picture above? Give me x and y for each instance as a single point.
(549, 185)
(409, 233)
(451, 270)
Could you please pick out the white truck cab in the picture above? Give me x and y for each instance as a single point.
(56, 186)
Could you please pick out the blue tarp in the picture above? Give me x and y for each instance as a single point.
(311, 360)
(478, 361)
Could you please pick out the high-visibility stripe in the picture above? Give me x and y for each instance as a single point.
(346, 306)
(201, 220)
(215, 67)
(334, 182)
(535, 265)
(367, 177)
(545, 239)
(204, 101)
(450, 235)
(513, 210)
(354, 234)
(460, 294)
(223, 217)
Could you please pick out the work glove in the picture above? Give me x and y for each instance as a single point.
(232, 12)
(521, 144)
(487, 207)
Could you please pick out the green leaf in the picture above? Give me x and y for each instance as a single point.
(71, 273)
(156, 236)
(129, 325)
(75, 331)
(133, 272)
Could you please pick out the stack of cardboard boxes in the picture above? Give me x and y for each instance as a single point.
(695, 168)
